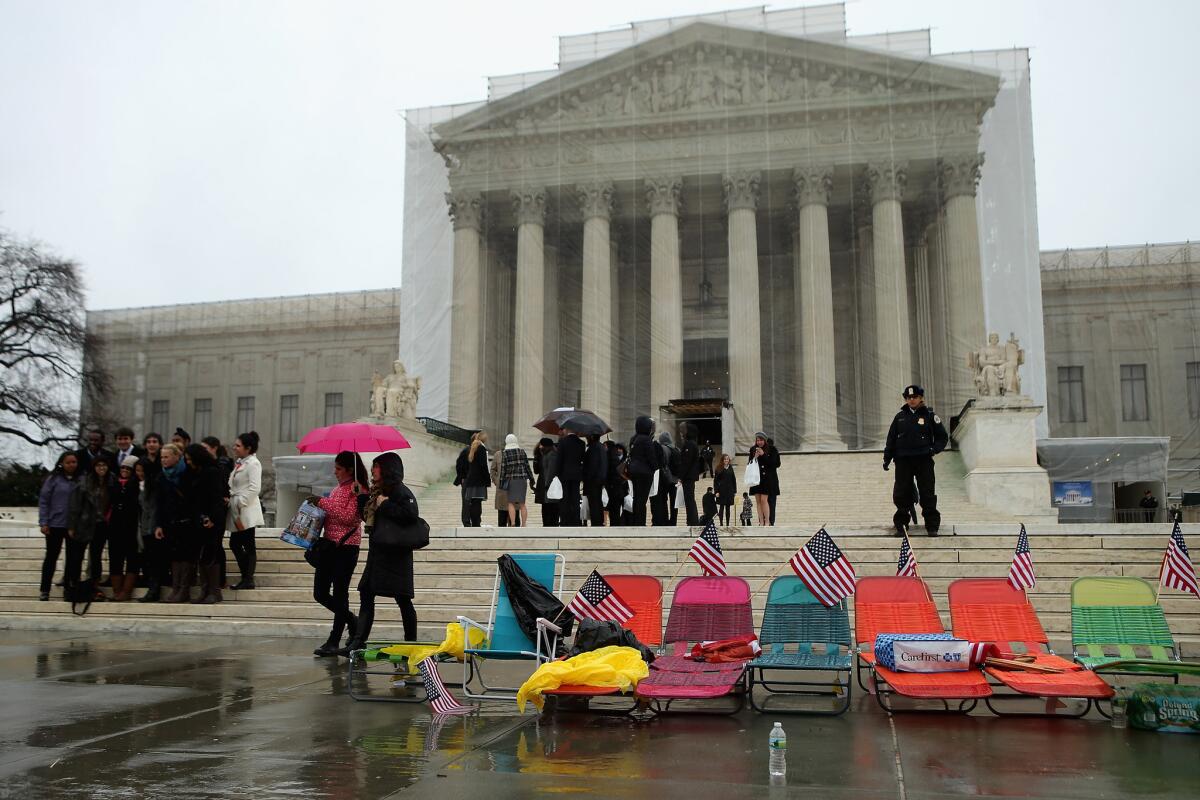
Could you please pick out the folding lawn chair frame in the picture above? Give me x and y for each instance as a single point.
(400, 669)
(504, 639)
(702, 609)
(991, 610)
(799, 634)
(887, 604)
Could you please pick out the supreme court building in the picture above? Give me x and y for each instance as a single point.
(750, 214)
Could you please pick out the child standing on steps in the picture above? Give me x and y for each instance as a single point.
(747, 510)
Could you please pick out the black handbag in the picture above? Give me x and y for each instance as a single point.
(390, 533)
(80, 593)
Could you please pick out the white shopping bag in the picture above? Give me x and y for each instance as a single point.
(752, 477)
(654, 483)
(951, 655)
(554, 491)
(584, 509)
(627, 503)
(680, 503)
(604, 497)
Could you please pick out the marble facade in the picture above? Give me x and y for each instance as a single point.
(817, 182)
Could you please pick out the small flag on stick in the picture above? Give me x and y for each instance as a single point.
(597, 600)
(906, 567)
(1020, 574)
(435, 691)
(1177, 571)
(706, 551)
(824, 569)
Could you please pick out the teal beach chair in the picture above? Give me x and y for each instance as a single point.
(799, 635)
(504, 639)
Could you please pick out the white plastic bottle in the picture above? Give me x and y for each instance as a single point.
(777, 743)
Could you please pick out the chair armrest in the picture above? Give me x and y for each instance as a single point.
(467, 624)
(542, 622)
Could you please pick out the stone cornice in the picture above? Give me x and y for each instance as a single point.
(595, 199)
(885, 180)
(959, 175)
(466, 209)
(529, 206)
(741, 189)
(663, 195)
(813, 185)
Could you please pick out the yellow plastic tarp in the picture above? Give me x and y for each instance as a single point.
(621, 667)
(451, 645)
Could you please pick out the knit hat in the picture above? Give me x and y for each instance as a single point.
(129, 461)
(760, 435)
(510, 442)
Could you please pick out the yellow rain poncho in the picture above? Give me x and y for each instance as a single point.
(451, 645)
(621, 667)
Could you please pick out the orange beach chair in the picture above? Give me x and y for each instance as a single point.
(888, 604)
(990, 610)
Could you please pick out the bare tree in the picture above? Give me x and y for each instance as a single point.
(49, 361)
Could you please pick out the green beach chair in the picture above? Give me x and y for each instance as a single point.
(799, 635)
(505, 641)
(1118, 627)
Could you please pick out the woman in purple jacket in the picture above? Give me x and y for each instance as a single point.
(54, 505)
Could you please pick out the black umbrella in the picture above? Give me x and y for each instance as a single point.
(585, 423)
(551, 423)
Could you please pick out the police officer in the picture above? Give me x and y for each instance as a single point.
(916, 436)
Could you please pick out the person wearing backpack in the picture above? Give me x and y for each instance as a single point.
(662, 505)
(645, 459)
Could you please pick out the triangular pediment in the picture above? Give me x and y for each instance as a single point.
(704, 68)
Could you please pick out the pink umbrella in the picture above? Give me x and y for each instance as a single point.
(358, 437)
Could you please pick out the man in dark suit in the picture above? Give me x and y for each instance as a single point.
(126, 446)
(571, 453)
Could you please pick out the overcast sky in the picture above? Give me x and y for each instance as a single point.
(186, 150)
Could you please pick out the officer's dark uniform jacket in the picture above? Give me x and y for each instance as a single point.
(915, 432)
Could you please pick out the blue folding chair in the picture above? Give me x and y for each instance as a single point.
(504, 640)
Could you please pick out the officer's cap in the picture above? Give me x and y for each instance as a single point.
(913, 391)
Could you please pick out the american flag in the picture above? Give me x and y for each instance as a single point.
(906, 567)
(1020, 574)
(597, 600)
(824, 569)
(707, 551)
(1177, 570)
(435, 691)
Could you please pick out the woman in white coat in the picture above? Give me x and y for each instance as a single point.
(245, 511)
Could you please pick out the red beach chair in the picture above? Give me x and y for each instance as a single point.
(703, 609)
(643, 595)
(990, 610)
(888, 604)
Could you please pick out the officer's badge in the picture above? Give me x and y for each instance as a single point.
(937, 419)
(920, 420)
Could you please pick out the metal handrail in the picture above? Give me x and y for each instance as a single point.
(445, 430)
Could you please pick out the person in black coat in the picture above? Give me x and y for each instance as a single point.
(174, 526)
(123, 557)
(914, 438)
(710, 507)
(690, 466)
(205, 495)
(644, 460)
(389, 569)
(477, 480)
(765, 493)
(595, 475)
(662, 505)
(615, 484)
(725, 486)
(545, 466)
(571, 452)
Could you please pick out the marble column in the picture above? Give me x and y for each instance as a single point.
(965, 320)
(814, 311)
(596, 367)
(885, 183)
(466, 211)
(745, 344)
(529, 367)
(868, 363)
(666, 293)
(920, 314)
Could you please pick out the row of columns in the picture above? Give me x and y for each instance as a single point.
(883, 312)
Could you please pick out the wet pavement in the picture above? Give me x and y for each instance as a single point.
(123, 715)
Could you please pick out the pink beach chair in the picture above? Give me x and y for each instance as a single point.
(703, 609)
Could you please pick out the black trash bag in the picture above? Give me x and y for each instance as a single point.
(596, 633)
(531, 600)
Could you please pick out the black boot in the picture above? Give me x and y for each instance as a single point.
(353, 642)
(330, 648)
(153, 592)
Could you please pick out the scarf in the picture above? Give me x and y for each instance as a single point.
(175, 474)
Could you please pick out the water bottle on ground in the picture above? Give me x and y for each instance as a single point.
(1120, 702)
(777, 744)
